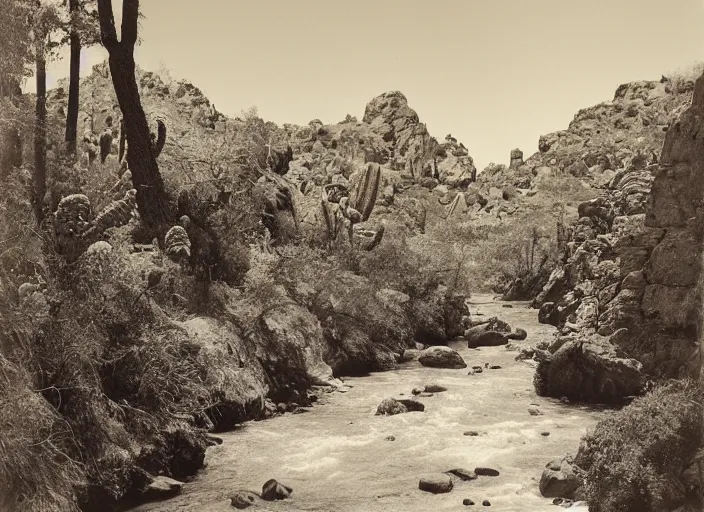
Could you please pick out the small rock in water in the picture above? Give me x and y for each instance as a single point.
(401, 394)
(477, 369)
(412, 405)
(486, 472)
(463, 474)
(471, 433)
(417, 391)
(545, 434)
(467, 502)
(162, 487)
(507, 305)
(273, 490)
(486, 365)
(434, 388)
(243, 499)
(435, 484)
(534, 410)
(486, 503)
(425, 395)
(495, 367)
(565, 400)
(390, 407)
(390, 438)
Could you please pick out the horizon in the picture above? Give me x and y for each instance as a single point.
(508, 107)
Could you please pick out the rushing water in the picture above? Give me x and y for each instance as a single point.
(336, 456)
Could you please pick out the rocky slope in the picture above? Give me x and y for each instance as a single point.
(298, 319)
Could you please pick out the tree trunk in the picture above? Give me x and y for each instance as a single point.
(152, 201)
(73, 88)
(40, 134)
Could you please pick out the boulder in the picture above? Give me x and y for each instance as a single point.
(559, 480)
(390, 407)
(243, 499)
(441, 357)
(161, 488)
(436, 484)
(273, 490)
(587, 368)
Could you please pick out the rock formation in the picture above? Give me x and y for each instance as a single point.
(630, 282)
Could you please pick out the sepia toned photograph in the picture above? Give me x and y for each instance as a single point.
(362, 256)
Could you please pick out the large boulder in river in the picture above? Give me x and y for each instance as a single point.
(436, 484)
(587, 369)
(441, 357)
(560, 480)
(273, 490)
(390, 407)
(490, 334)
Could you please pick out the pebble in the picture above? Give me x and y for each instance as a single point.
(471, 433)
(495, 367)
(534, 411)
(390, 438)
(467, 502)
(486, 503)
(545, 434)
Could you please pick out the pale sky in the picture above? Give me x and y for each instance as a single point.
(496, 74)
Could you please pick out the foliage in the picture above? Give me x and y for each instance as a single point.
(15, 47)
(635, 459)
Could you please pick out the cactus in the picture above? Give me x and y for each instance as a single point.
(116, 214)
(158, 141)
(72, 219)
(158, 144)
(177, 243)
(365, 195)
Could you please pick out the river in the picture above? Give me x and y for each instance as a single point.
(337, 458)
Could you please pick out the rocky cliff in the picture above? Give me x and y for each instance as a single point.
(627, 298)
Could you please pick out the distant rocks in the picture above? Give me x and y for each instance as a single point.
(516, 158)
(441, 357)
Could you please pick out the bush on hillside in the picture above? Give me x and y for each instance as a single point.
(638, 458)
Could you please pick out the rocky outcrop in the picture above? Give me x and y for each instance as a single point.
(631, 272)
(411, 148)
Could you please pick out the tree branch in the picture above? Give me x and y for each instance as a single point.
(130, 15)
(108, 34)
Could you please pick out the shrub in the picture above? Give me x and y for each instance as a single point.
(635, 459)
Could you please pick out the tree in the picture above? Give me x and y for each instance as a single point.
(83, 30)
(44, 21)
(152, 201)
(15, 46)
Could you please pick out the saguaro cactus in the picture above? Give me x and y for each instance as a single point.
(365, 194)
